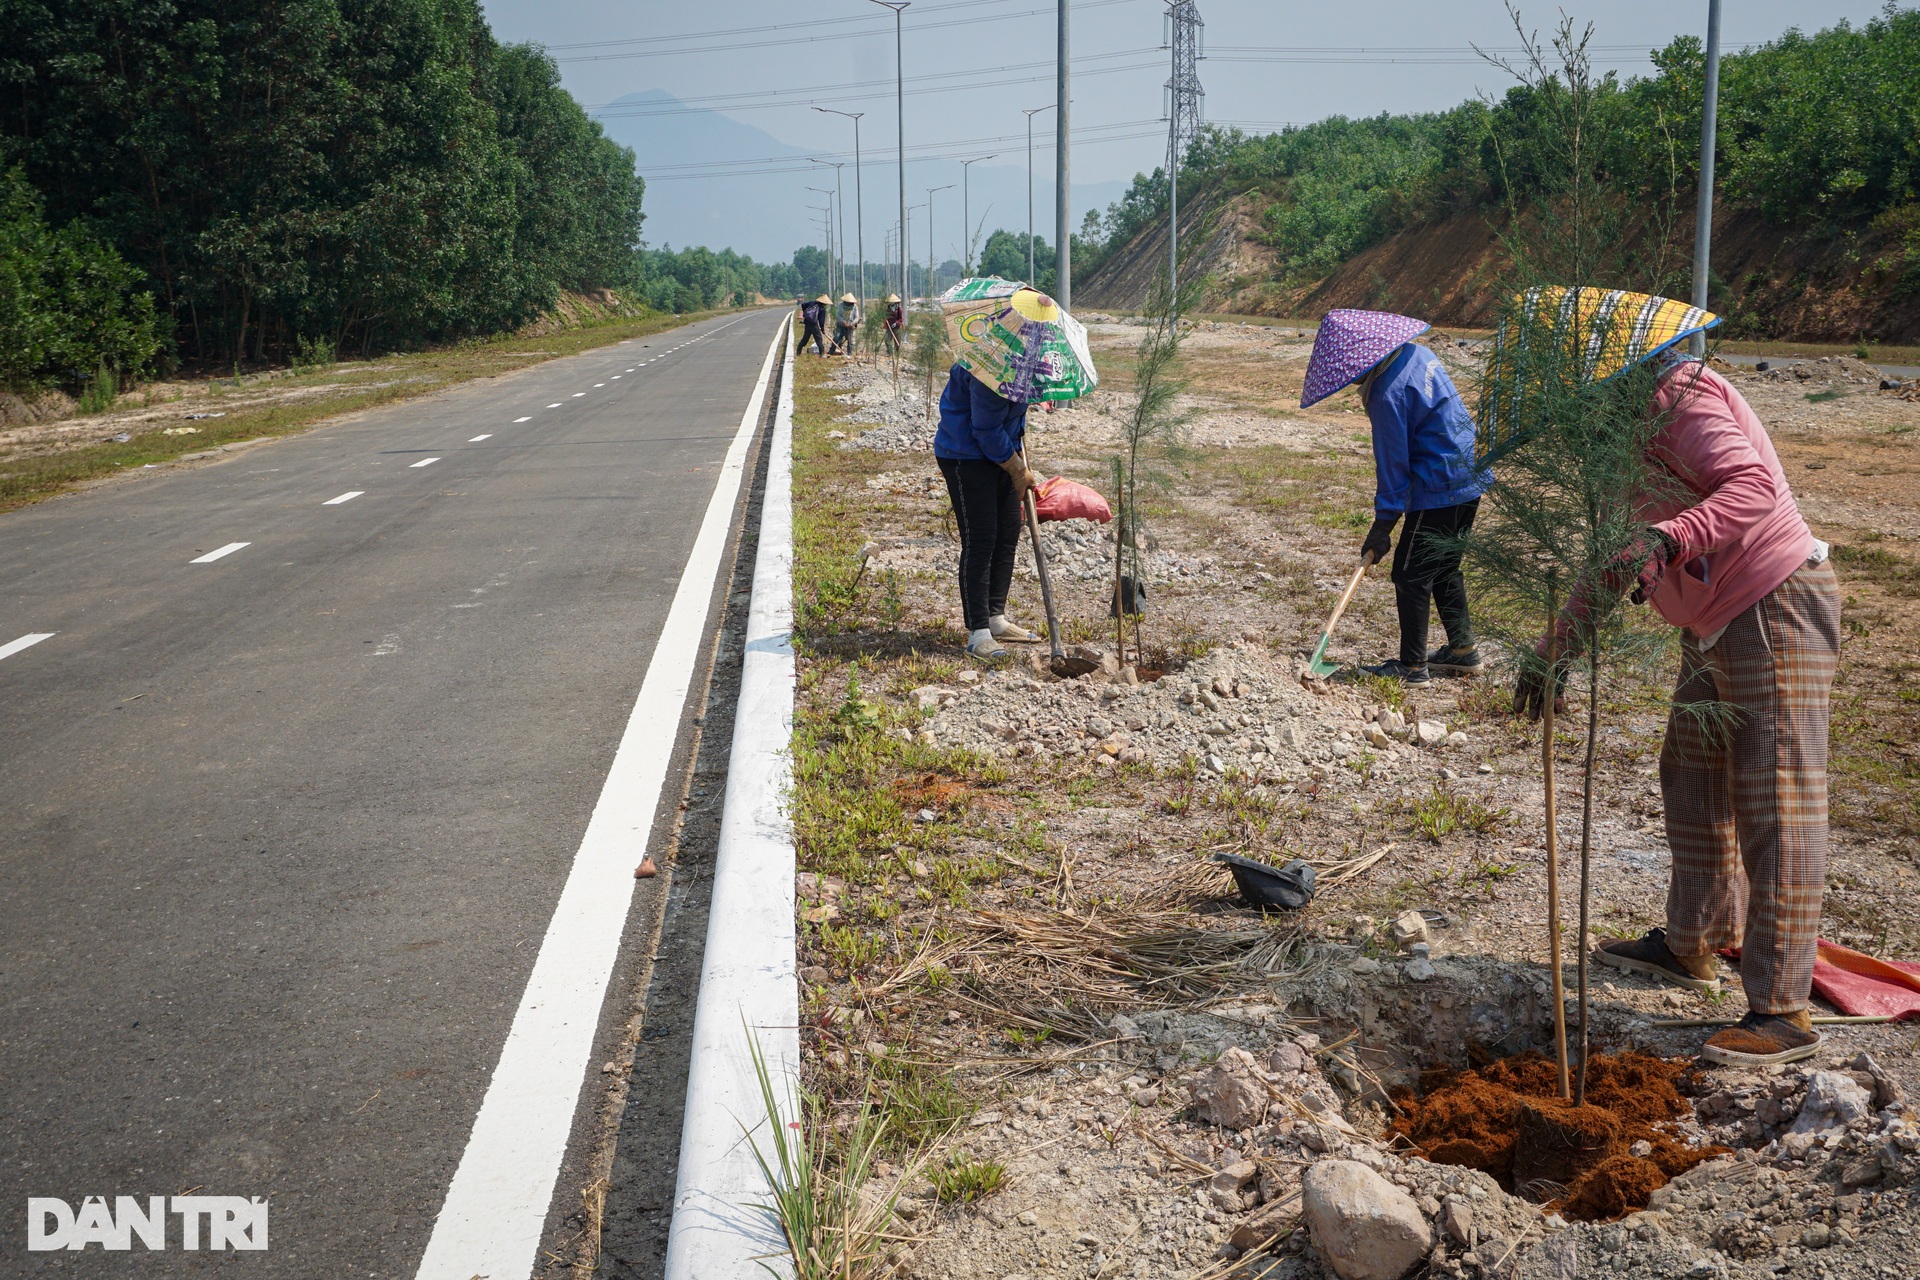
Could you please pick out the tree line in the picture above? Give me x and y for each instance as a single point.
(1816, 132)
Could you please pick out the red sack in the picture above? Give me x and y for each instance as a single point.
(1062, 499)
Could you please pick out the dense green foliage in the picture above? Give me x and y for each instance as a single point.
(70, 307)
(366, 172)
(1005, 255)
(1814, 130)
(699, 279)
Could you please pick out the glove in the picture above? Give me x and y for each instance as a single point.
(1644, 562)
(1530, 694)
(1023, 479)
(1380, 538)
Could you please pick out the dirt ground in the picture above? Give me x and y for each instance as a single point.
(1014, 942)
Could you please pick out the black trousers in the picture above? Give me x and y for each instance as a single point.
(814, 336)
(1426, 572)
(988, 513)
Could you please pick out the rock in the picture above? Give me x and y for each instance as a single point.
(1216, 764)
(1235, 1176)
(1863, 1171)
(1124, 1028)
(908, 1208)
(1364, 1227)
(1145, 1097)
(1409, 927)
(1420, 969)
(1377, 737)
(1274, 1218)
(1483, 767)
(814, 974)
(1231, 1093)
(925, 815)
(969, 676)
(1392, 722)
(1222, 687)
(1834, 1101)
(932, 697)
(1430, 733)
(1886, 1090)
(1456, 1216)
(1027, 1218)
(1365, 965)
(1286, 1059)
(1816, 1236)
(1456, 739)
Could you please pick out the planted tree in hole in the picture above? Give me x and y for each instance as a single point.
(1567, 430)
(1152, 445)
(928, 353)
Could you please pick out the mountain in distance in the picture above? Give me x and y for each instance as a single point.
(765, 215)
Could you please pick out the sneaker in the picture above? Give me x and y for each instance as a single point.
(1012, 633)
(1456, 662)
(1650, 955)
(1763, 1040)
(989, 651)
(1394, 669)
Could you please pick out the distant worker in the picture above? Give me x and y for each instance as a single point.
(845, 317)
(814, 316)
(896, 323)
(1424, 468)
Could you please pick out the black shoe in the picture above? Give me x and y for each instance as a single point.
(1394, 669)
(1458, 662)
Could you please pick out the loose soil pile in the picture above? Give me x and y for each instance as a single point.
(1599, 1161)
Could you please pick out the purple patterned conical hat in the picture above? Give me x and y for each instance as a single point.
(1350, 343)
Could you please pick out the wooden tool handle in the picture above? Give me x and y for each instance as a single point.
(1353, 586)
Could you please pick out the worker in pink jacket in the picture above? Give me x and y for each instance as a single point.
(1731, 563)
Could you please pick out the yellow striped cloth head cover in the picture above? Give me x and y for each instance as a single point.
(1584, 335)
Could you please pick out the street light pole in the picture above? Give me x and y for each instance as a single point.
(900, 110)
(859, 199)
(1703, 212)
(840, 235)
(1063, 174)
(966, 212)
(828, 235)
(1030, 113)
(933, 270)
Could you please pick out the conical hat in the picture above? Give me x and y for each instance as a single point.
(1350, 343)
(848, 297)
(823, 298)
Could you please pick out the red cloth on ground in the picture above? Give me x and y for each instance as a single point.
(1860, 985)
(1062, 499)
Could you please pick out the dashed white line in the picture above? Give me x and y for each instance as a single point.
(27, 641)
(578, 394)
(554, 405)
(348, 496)
(211, 556)
(478, 439)
(517, 421)
(616, 377)
(424, 462)
(597, 385)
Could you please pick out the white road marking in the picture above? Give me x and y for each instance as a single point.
(496, 1207)
(554, 405)
(348, 496)
(578, 394)
(616, 377)
(478, 439)
(211, 556)
(424, 462)
(518, 421)
(596, 385)
(27, 641)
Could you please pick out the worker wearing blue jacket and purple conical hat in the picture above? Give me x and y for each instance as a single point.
(1425, 470)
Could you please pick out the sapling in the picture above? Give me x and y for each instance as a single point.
(928, 353)
(1152, 441)
(1567, 446)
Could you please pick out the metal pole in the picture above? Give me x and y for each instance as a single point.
(933, 276)
(966, 212)
(828, 234)
(900, 110)
(1703, 213)
(1063, 175)
(859, 200)
(1030, 113)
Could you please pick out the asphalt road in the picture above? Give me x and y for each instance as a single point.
(281, 832)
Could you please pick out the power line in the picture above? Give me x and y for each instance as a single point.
(953, 151)
(843, 35)
(923, 151)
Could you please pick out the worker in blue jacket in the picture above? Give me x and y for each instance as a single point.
(1424, 468)
(980, 449)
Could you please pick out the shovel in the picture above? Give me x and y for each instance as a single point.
(1320, 668)
(1063, 666)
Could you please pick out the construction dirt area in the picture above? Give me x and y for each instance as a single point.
(1091, 1060)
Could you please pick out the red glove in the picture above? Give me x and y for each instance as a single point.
(1643, 562)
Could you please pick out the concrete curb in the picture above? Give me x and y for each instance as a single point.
(748, 983)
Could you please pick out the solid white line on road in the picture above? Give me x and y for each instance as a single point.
(27, 641)
(348, 496)
(211, 556)
(424, 462)
(518, 421)
(496, 1207)
(478, 439)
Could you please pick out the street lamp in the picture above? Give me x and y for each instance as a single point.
(966, 212)
(859, 200)
(840, 236)
(1030, 113)
(900, 113)
(828, 236)
(1703, 212)
(933, 277)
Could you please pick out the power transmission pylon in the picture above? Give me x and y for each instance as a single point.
(1186, 100)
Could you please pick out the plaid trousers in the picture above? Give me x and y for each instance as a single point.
(1743, 775)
